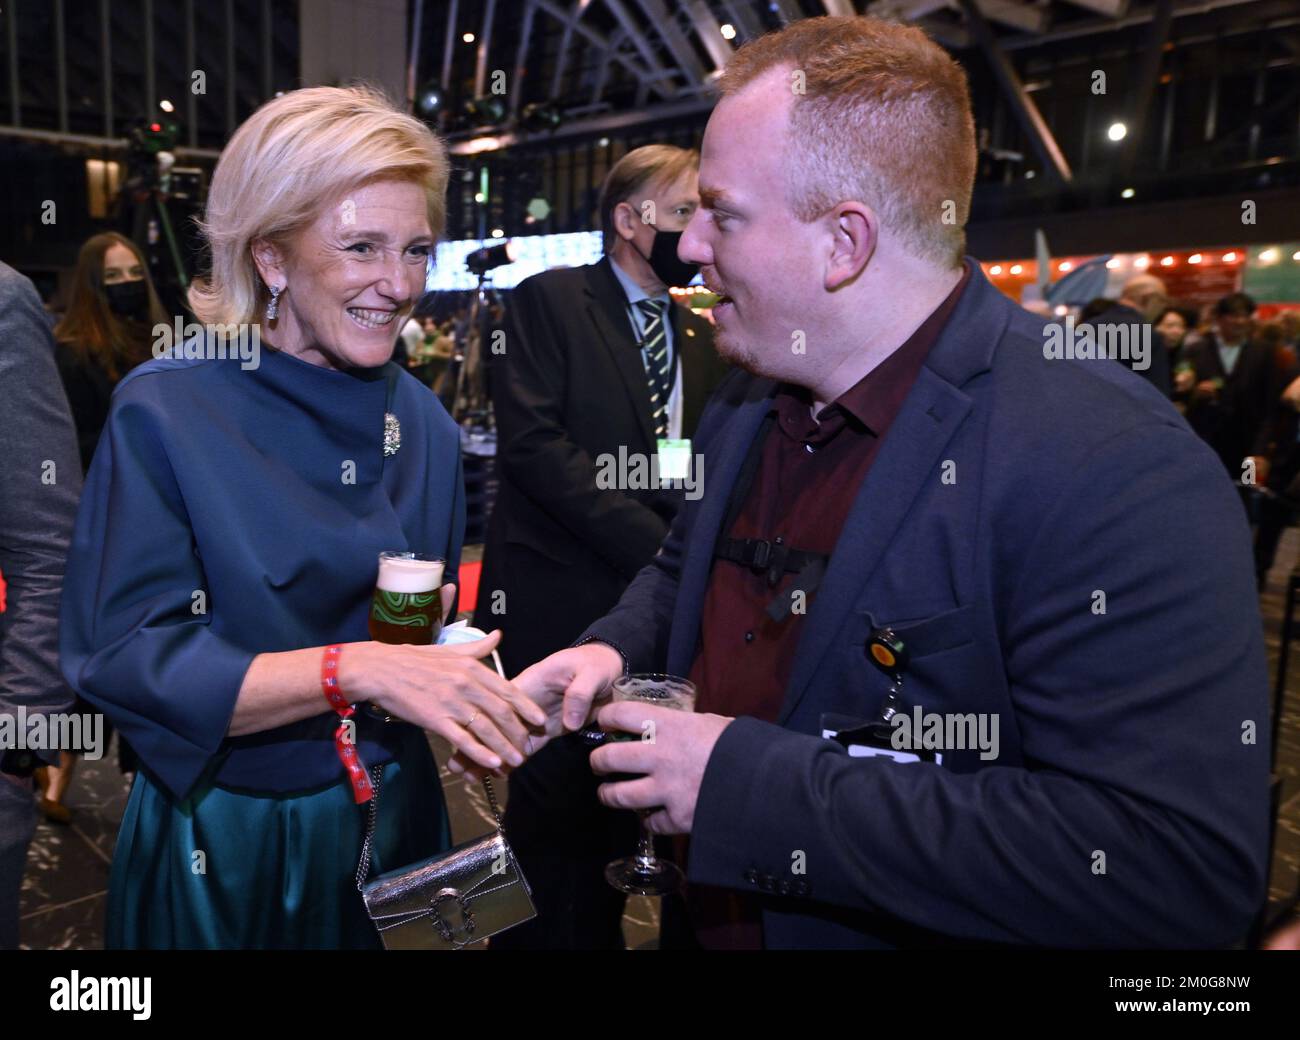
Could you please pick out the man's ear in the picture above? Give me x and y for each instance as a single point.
(855, 230)
(269, 259)
(626, 218)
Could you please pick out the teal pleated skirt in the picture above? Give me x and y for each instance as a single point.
(232, 869)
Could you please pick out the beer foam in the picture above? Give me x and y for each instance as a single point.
(398, 574)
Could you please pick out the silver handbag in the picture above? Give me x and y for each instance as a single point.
(451, 900)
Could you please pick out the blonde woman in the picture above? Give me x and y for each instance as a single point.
(227, 545)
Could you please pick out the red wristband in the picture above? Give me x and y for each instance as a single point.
(329, 684)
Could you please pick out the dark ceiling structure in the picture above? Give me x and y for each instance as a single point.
(1199, 97)
(538, 98)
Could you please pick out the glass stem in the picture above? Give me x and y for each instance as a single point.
(645, 852)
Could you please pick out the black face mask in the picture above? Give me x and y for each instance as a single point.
(663, 260)
(128, 299)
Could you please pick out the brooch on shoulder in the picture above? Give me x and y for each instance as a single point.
(392, 434)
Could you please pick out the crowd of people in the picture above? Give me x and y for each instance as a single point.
(1236, 380)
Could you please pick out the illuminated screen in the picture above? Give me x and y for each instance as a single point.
(536, 253)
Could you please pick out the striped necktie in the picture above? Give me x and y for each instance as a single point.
(655, 342)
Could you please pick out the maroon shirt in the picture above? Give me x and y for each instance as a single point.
(806, 483)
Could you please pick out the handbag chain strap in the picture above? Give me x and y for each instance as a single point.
(363, 866)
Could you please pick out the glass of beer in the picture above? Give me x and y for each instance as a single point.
(644, 874)
(407, 603)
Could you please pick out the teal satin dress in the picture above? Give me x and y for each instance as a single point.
(233, 869)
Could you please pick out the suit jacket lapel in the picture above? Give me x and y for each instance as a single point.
(1215, 359)
(607, 307)
(932, 412)
(912, 449)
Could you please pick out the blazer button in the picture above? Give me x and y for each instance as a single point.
(751, 875)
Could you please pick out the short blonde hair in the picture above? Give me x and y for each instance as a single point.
(290, 158)
(883, 117)
(652, 163)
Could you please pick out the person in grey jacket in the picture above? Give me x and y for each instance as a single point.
(40, 475)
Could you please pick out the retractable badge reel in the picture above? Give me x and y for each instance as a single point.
(889, 655)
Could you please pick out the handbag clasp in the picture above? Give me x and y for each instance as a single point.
(444, 926)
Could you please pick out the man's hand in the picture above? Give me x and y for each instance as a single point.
(674, 749)
(569, 681)
(564, 685)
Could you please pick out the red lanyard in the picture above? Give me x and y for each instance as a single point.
(344, 736)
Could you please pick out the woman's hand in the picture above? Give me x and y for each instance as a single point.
(445, 689)
(566, 685)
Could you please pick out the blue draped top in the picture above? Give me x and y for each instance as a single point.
(230, 512)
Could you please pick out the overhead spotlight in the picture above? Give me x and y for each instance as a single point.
(1016, 269)
(1195, 258)
(498, 233)
(166, 105)
(1268, 256)
(468, 38)
(479, 197)
(1066, 267)
(483, 260)
(1296, 255)
(540, 116)
(1167, 262)
(1142, 263)
(1117, 131)
(1229, 258)
(728, 31)
(603, 143)
(1127, 193)
(996, 269)
(485, 111)
(1112, 263)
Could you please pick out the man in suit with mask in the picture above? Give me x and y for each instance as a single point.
(599, 369)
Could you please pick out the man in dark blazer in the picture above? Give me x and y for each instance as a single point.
(1003, 564)
(1140, 303)
(573, 394)
(1234, 401)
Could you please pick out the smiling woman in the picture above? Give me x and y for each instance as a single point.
(331, 170)
(218, 585)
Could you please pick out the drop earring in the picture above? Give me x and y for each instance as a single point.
(273, 308)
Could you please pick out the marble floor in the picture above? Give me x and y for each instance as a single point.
(64, 888)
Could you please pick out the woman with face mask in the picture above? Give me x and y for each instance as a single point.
(106, 330)
(104, 334)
